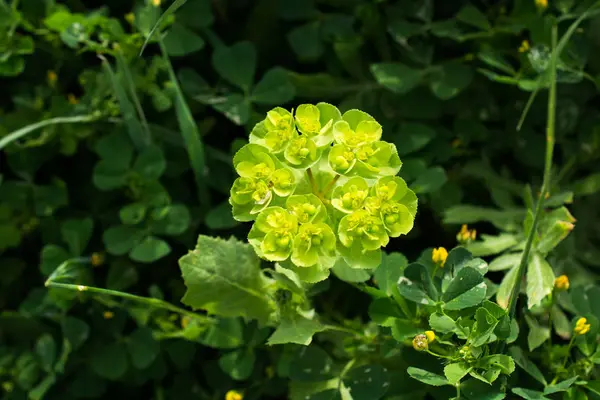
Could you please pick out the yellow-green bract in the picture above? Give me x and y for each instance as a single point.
(322, 189)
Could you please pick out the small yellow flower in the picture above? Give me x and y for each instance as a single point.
(524, 46)
(130, 18)
(97, 259)
(420, 342)
(561, 283)
(156, 3)
(430, 336)
(582, 327)
(439, 256)
(233, 395)
(541, 3)
(52, 78)
(466, 235)
(108, 315)
(72, 99)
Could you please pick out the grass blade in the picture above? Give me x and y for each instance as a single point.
(139, 136)
(123, 68)
(191, 134)
(19, 133)
(172, 8)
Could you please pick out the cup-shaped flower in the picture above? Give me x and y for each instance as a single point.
(307, 208)
(254, 161)
(341, 159)
(377, 159)
(394, 188)
(273, 232)
(394, 203)
(350, 196)
(283, 182)
(275, 131)
(314, 243)
(363, 230)
(356, 129)
(301, 152)
(317, 121)
(249, 196)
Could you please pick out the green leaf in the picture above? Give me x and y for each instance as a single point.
(384, 311)
(455, 372)
(593, 386)
(132, 214)
(413, 136)
(450, 80)
(396, 77)
(429, 181)
(305, 41)
(181, 41)
(441, 323)
(529, 394)
(274, 88)
(505, 261)
(52, 256)
(150, 163)
(121, 276)
(116, 148)
(149, 250)
(220, 217)
(471, 15)
(110, 360)
(108, 176)
(170, 220)
(224, 278)
(45, 349)
(236, 64)
(172, 8)
(403, 329)
(75, 331)
(367, 382)
(428, 378)
(225, 333)
(143, 348)
(119, 239)
(77, 233)
(389, 271)
(235, 107)
(522, 361)
(506, 287)
(348, 274)
(561, 386)
(540, 280)
(485, 323)
(587, 186)
(537, 334)
(490, 245)
(467, 289)
(310, 364)
(238, 364)
(295, 329)
(416, 285)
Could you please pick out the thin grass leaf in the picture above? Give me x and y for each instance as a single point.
(190, 132)
(19, 133)
(123, 69)
(172, 8)
(139, 136)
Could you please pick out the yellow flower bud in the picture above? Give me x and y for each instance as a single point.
(130, 17)
(52, 78)
(97, 259)
(108, 315)
(561, 283)
(430, 336)
(581, 326)
(420, 342)
(156, 3)
(439, 256)
(541, 3)
(233, 395)
(524, 46)
(465, 234)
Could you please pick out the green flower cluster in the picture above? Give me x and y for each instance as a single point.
(321, 188)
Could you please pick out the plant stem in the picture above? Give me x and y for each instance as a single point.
(565, 359)
(313, 184)
(157, 303)
(550, 124)
(330, 185)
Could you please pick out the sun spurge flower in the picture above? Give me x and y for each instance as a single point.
(322, 190)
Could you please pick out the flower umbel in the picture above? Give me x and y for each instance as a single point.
(581, 326)
(439, 256)
(561, 283)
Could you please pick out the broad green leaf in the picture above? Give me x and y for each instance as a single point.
(110, 360)
(238, 364)
(220, 217)
(396, 77)
(108, 176)
(593, 386)
(295, 329)
(121, 238)
(274, 88)
(416, 285)
(506, 287)
(181, 41)
(226, 333)
(455, 372)
(484, 327)
(505, 363)
(413, 136)
(429, 181)
(150, 249)
(75, 331)
(170, 220)
(236, 64)
(115, 147)
(45, 349)
(142, 347)
(529, 394)
(52, 256)
(587, 186)
(441, 323)
(384, 311)
(467, 289)
(121, 276)
(77, 233)
(429, 378)
(537, 334)
(132, 214)
(310, 364)
(540, 280)
(561, 386)
(306, 42)
(522, 361)
(389, 271)
(505, 261)
(490, 245)
(367, 382)
(224, 278)
(348, 274)
(151, 163)
(450, 80)
(403, 329)
(235, 107)
(471, 15)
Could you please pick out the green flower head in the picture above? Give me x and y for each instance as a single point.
(254, 161)
(275, 131)
(315, 243)
(273, 233)
(317, 122)
(302, 152)
(356, 129)
(307, 208)
(350, 196)
(249, 196)
(364, 230)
